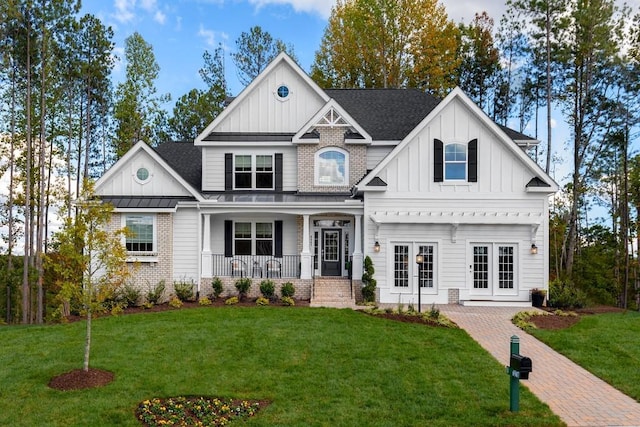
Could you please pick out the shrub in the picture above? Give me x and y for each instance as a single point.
(117, 310)
(563, 294)
(434, 312)
(204, 301)
(368, 282)
(262, 301)
(128, 295)
(184, 290)
(243, 285)
(288, 301)
(231, 301)
(216, 288)
(268, 289)
(287, 290)
(175, 302)
(155, 294)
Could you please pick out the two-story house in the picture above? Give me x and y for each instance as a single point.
(295, 183)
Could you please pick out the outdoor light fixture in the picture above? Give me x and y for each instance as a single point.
(534, 249)
(419, 261)
(376, 247)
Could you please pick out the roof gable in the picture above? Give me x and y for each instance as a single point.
(118, 180)
(457, 95)
(333, 115)
(259, 109)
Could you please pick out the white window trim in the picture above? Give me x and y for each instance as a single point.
(254, 171)
(278, 97)
(142, 181)
(316, 167)
(466, 163)
(141, 256)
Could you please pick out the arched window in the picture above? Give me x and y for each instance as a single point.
(455, 162)
(332, 167)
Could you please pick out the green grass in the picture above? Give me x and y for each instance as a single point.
(604, 344)
(319, 367)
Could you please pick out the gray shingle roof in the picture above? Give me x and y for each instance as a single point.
(386, 114)
(185, 158)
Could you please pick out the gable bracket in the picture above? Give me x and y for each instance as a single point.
(454, 231)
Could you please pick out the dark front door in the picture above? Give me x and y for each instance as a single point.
(331, 265)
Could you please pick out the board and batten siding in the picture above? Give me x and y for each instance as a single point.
(186, 242)
(213, 165)
(500, 171)
(124, 181)
(262, 111)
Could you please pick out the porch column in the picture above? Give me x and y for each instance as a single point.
(357, 260)
(306, 263)
(207, 259)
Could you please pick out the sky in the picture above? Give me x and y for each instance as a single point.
(181, 30)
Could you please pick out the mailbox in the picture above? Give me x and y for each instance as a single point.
(522, 365)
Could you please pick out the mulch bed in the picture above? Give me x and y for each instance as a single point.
(80, 379)
(554, 321)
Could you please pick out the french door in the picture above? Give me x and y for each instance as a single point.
(493, 269)
(408, 274)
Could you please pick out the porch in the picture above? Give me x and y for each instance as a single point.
(253, 266)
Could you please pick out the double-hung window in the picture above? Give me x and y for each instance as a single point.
(253, 238)
(253, 171)
(141, 237)
(455, 162)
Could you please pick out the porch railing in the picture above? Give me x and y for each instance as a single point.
(255, 266)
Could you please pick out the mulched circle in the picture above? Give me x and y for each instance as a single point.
(79, 379)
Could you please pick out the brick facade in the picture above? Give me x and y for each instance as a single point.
(146, 275)
(330, 137)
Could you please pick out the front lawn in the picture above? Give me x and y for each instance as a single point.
(605, 344)
(317, 367)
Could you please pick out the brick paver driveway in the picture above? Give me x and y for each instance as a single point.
(578, 397)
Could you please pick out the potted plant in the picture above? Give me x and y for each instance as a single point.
(537, 297)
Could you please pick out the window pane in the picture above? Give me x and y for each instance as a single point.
(243, 247)
(264, 247)
(331, 167)
(481, 267)
(264, 230)
(455, 171)
(243, 180)
(425, 270)
(141, 228)
(264, 180)
(243, 230)
(243, 163)
(455, 152)
(401, 266)
(264, 163)
(505, 267)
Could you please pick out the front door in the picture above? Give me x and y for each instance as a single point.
(331, 250)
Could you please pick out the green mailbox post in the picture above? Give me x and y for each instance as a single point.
(519, 368)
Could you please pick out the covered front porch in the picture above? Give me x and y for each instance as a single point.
(281, 245)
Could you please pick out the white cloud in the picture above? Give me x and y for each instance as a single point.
(212, 38)
(320, 7)
(124, 10)
(159, 17)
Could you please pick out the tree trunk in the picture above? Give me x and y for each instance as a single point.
(26, 297)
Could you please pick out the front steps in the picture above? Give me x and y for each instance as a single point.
(332, 292)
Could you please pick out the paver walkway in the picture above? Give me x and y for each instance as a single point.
(574, 394)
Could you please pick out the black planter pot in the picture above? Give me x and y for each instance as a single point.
(537, 300)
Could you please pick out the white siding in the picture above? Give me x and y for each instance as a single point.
(186, 244)
(262, 111)
(124, 181)
(494, 210)
(376, 153)
(213, 165)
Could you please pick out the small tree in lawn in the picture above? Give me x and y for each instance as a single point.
(90, 260)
